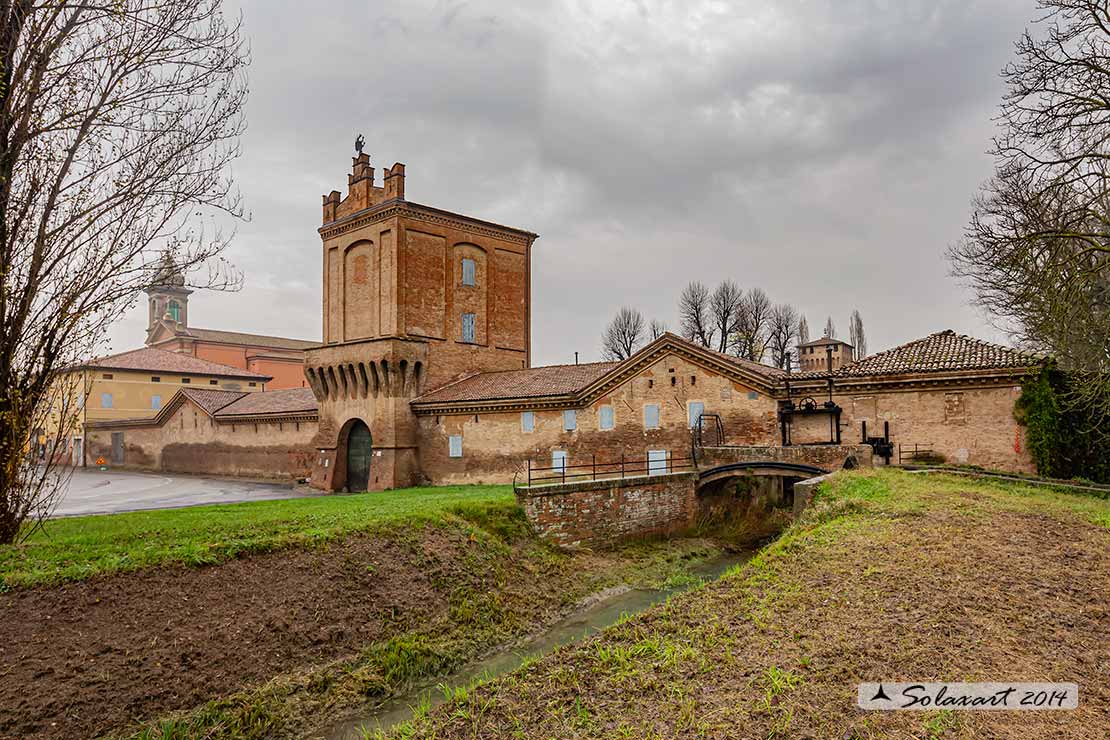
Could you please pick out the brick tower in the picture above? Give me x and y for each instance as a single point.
(414, 297)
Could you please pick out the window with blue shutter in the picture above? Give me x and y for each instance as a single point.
(105, 400)
(559, 461)
(696, 409)
(468, 328)
(527, 421)
(454, 445)
(570, 420)
(651, 416)
(605, 418)
(657, 462)
(156, 402)
(468, 272)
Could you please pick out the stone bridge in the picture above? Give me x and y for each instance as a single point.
(726, 484)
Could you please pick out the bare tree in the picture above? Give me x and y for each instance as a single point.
(1037, 250)
(751, 325)
(695, 315)
(858, 337)
(803, 330)
(725, 309)
(118, 120)
(830, 328)
(624, 335)
(782, 329)
(656, 329)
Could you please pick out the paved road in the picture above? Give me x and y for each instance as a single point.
(92, 491)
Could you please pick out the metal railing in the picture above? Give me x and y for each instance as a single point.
(916, 453)
(616, 469)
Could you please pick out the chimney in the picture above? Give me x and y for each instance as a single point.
(395, 181)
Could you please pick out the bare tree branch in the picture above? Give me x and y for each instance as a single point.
(118, 120)
(695, 315)
(624, 335)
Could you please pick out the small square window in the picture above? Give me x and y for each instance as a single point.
(651, 416)
(468, 272)
(213, 382)
(605, 418)
(252, 384)
(454, 446)
(527, 421)
(155, 379)
(753, 396)
(186, 381)
(570, 420)
(107, 376)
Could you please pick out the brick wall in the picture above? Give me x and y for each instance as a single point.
(600, 513)
(495, 445)
(192, 442)
(974, 425)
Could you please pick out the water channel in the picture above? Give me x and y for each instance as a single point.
(601, 612)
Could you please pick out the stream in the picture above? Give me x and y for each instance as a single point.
(607, 608)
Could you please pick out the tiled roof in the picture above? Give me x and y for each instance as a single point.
(940, 352)
(823, 341)
(290, 401)
(767, 371)
(256, 340)
(552, 380)
(212, 401)
(152, 359)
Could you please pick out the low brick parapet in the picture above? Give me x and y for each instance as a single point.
(602, 512)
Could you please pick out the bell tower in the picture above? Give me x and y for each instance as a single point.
(414, 297)
(167, 297)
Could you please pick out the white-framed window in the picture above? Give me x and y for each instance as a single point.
(527, 421)
(606, 419)
(570, 420)
(651, 416)
(694, 410)
(454, 445)
(657, 462)
(469, 272)
(156, 402)
(105, 400)
(468, 328)
(559, 461)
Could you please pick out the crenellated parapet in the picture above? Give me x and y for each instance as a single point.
(362, 193)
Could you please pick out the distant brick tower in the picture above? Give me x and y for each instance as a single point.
(414, 297)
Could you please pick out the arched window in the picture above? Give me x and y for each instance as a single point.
(174, 311)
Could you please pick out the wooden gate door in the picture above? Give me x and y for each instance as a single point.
(358, 457)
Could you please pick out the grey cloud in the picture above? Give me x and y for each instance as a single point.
(825, 151)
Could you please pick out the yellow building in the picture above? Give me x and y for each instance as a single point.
(134, 385)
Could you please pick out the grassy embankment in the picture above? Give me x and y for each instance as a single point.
(479, 576)
(888, 576)
(77, 548)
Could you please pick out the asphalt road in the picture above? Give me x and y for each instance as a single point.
(92, 491)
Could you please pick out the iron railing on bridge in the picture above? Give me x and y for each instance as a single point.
(616, 469)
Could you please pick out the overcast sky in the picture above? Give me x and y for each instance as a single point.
(823, 150)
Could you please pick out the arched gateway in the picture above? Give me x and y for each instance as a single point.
(359, 445)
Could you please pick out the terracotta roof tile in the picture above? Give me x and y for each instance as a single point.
(242, 338)
(211, 401)
(551, 380)
(289, 401)
(156, 360)
(940, 352)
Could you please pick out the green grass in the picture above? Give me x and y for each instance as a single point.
(81, 547)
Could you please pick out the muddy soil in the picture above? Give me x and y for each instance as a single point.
(958, 593)
(85, 658)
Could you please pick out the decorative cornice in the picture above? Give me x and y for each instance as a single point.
(427, 214)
